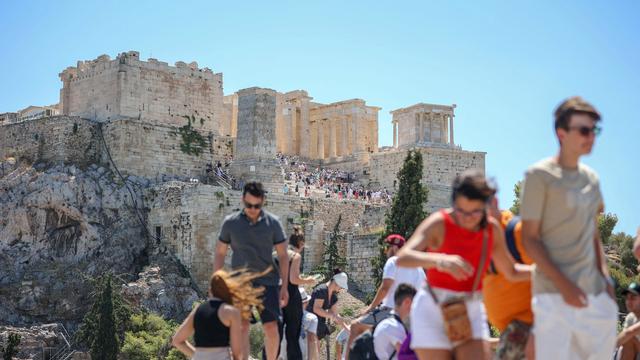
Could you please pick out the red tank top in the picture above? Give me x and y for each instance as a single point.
(466, 244)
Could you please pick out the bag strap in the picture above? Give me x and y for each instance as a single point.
(483, 260)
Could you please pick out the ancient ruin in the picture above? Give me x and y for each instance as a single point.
(129, 172)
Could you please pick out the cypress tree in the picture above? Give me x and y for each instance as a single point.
(105, 345)
(407, 208)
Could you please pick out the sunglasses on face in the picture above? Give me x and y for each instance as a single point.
(586, 130)
(472, 213)
(252, 206)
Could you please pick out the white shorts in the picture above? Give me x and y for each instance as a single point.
(427, 326)
(566, 332)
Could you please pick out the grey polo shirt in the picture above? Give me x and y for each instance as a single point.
(253, 244)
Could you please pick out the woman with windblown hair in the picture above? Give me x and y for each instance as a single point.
(216, 323)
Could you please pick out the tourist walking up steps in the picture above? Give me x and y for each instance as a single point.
(454, 245)
(216, 324)
(573, 299)
(252, 234)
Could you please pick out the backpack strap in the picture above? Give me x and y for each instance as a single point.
(511, 239)
(406, 332)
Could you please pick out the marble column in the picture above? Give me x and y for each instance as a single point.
(289, 125)
(345, 133)
(451, 130)
(432, 118)
(332, 138)
(321, 125)
(395, 134)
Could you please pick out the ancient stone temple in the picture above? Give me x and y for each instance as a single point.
(422, 124)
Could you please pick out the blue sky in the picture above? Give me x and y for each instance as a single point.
(505, 64)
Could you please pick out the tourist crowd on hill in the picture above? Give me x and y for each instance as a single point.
(304, 180)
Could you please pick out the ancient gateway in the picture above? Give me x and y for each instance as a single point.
(171, 124)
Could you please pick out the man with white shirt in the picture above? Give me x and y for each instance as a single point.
(392, 331)
(392, 276)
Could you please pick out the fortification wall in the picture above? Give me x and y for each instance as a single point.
(187, 218)
(149, 150)
(152, 91)
(440, 167)
(57, 139)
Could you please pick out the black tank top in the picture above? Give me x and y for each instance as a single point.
(209, 330)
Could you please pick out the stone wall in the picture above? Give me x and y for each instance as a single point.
(440, 167)
(105, 89)
(56, 139)
(361, 249)
(145, 149)
(187, 218)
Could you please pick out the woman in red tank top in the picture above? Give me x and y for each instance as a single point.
(449, 246)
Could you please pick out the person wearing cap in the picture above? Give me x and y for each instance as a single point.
(573, 298)
(324, 299)
(383, 302)
(629, 337)
(308, 338)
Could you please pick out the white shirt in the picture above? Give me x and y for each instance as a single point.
(309, 324)
(385, 337)
(412, 276)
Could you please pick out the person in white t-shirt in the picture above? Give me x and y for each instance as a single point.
(392, 331)
(392, 275)
(308, 338)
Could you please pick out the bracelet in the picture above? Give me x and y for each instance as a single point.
(439, 264)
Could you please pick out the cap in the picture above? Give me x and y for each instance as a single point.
(634, 288)
(341, 279)
(395, 239)
(303, 294)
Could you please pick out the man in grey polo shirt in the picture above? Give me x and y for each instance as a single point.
(252, 234)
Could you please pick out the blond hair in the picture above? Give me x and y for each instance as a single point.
(236, 288)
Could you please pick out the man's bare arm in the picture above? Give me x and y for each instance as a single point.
(382, 292)
(532, 242)
(220, 254)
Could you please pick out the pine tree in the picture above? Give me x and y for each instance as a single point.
(407, 208)
(105, 344)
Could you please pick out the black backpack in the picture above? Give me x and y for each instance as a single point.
(363, 349)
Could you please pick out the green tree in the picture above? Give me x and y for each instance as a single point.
(105, 342)
(606, 223)
(407, 208)
(89, 329)
(515, 208)
(149, 337)
(11, 350)
(332, 257)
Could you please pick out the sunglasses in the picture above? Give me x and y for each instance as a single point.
(474, 213)
(252, 206)
(586, 130)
